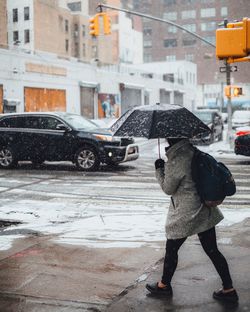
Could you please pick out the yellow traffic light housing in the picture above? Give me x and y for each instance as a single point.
(106, 24)
(233, 91)
(96, 23)
(237, 91)
(234, 40)
(94, 26)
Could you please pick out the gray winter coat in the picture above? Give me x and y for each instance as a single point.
(186, 214)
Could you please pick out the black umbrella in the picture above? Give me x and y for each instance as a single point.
(159, 121)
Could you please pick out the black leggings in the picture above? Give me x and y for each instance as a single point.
(209, 244)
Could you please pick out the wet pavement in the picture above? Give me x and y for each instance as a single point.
(85, 242)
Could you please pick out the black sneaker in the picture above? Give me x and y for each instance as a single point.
(231, 296)
(155, 290)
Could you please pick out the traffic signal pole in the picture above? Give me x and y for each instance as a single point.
(229, 106)
(101, 6)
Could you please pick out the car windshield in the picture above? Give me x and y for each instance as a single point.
(78, 122)
(241, 114)
(204, 116)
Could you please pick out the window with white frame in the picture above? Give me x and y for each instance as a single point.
(170, 43)
(172, 29)
(147, 43)
(190, 27)
(171, 58)
(26, 36)
(209, 12)
(15, 15)
(210, 26)
(223, 11)
(172, 16)
(188, 14)
(26, 13)
(189, 57)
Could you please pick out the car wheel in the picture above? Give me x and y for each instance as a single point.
(7, 158)
(86, 159)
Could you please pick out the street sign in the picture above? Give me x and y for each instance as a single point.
(232, 69)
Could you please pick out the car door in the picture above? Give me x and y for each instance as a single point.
(56, 139)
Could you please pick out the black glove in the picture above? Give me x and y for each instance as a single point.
(159, 163)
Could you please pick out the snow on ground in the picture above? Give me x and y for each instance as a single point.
(105, 223)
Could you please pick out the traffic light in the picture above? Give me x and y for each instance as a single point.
(234, 40)
(237, 91)
(94, 26)
(106, 24)
(233, 91)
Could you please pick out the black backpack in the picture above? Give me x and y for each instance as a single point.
(213, 179)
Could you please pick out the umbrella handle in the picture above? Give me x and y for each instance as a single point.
(159, 149)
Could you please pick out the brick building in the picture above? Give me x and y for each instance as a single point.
(165, 42)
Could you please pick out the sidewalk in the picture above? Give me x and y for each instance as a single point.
(195, 278)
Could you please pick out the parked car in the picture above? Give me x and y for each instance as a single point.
(242, 143)
(214, 121)
(40, 137)
(240, 118)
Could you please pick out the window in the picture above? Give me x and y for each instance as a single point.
(189, 57)
(26, 36)
(15, 15)
(168, 77)
(170, 43)
(67, 45)
(188, 14)
(75, 27)
(147, 58)
(211, 26)
(15, 36)
(147, 43)
(188, 1)
(84, 50)
(171, 58)
(190, 27)
(10, 122)
(172, 29)
(223, 11)
(66, 25)
(169, 2)
(83, 30)
(76, 49)
(189, 41)
(147, 31)
(210, 12)
(48, 123)
(172, 16)
(26, 13)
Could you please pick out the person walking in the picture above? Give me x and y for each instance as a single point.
(187, 216)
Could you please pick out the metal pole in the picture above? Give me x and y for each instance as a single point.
(229, 107)
(100, 6)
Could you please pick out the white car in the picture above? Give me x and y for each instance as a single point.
(240, 119)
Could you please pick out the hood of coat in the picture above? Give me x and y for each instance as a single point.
(172, 150)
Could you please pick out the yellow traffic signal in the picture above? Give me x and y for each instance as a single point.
(234, 40)
(94, 26)
(237, 91)
(227, 91)
(106, 24)
(233, 91)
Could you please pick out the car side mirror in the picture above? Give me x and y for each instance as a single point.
(62, 127)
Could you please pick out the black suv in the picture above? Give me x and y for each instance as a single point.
(40, 137)
(213, 120)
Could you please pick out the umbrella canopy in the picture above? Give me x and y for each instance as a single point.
(159, 121)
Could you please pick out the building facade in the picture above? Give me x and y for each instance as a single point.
(166, 42)
(3, 24)
(44, 82)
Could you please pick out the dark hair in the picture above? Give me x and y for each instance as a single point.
(172, 141)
